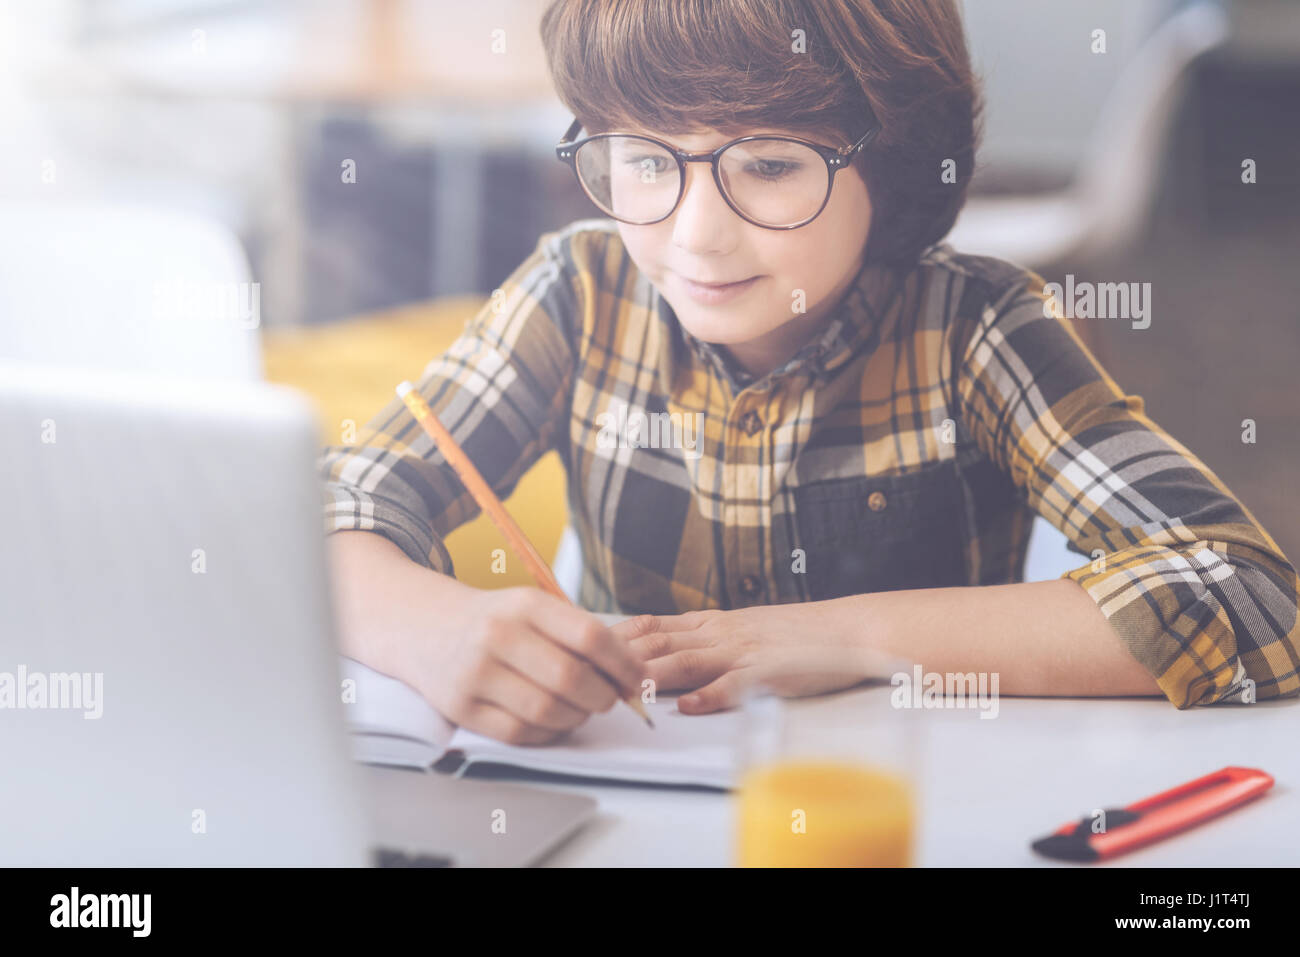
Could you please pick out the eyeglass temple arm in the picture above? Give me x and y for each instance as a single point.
(867, 137)
(570, 133)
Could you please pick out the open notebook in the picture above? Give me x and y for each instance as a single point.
(391, 723)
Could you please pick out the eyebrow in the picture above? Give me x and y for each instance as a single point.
(820, 136)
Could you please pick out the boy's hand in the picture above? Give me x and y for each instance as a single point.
(516, 664)
(796, 649)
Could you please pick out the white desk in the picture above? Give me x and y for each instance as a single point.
(991, 786)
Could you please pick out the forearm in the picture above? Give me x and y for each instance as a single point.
(1041, 638)
(373, 582)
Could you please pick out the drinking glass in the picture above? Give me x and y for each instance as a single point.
(828, 782)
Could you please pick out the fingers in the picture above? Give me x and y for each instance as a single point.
(718, 695)
(689, 668)
(493, 721)
(584, 634)
(657, 644)
(535, 706)
(640, 626)
(674, 651)
(555, 670)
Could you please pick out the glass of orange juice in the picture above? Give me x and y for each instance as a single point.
(828, 782)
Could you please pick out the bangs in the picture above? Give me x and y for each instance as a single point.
(680, 66)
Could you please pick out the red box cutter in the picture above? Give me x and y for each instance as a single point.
(1156, 817)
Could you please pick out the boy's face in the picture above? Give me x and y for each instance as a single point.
(705, 240)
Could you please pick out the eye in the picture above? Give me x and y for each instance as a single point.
(772, 170)
(656, 164)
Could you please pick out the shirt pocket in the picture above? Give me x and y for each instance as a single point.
(882, 533)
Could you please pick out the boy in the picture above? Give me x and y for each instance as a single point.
(880, 417)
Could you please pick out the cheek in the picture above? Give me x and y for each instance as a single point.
(643, 249)
(837, 236)
(841, 230)
(848, 213)
(811, 265)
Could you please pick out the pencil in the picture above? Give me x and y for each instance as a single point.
(488, 501)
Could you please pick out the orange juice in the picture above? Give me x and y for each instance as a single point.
(823, 814)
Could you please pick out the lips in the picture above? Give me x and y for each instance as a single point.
(715, 294)
(716, 284)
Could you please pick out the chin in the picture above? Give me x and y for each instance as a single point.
(720, 327)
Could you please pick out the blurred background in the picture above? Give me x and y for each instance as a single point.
(356, 176)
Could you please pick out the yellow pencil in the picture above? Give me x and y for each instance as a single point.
(488, 501)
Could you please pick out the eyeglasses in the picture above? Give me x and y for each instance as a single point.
(777, 182)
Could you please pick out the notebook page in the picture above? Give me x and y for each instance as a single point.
(617, 744)
(390, 722)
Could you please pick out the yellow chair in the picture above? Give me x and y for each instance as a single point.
(350, 368)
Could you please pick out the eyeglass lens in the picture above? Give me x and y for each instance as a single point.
(774, 182)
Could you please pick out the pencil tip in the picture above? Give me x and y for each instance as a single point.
(648, 721)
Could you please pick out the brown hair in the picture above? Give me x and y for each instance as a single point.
(677, 66)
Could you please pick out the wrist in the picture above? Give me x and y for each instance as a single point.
(381, 598)
(862, 622)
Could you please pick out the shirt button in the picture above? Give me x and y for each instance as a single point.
(876, 501)
(751, 586)
(751, 422)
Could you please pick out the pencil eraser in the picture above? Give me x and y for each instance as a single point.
(402, 389)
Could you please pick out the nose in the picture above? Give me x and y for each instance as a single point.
(703, 222)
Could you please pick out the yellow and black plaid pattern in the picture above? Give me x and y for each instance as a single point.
(909, 446)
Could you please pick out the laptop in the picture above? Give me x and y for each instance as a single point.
(169, 670)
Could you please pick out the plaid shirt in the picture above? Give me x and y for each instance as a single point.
(908, 446)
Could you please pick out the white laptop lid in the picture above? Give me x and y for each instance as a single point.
(164, 539)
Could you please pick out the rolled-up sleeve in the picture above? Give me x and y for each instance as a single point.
(501, 390)
(1192, 584)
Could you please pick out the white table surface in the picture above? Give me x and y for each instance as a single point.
(988, 787)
